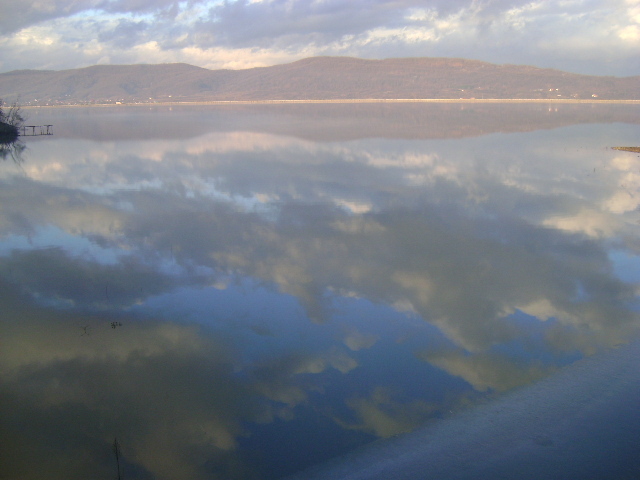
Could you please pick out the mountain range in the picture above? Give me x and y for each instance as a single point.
(316, 78)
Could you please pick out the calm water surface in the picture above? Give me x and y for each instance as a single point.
(242, 292)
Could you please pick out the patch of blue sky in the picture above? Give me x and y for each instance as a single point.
(93, 15)
(384, 321)
(367, 339)
(189, 8)
(260, 320)
(110, 188)
(626, 266)
(531, 345)
(167, 265)
(193, 11)
(389, 346)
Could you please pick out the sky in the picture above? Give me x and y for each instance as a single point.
(600, 37)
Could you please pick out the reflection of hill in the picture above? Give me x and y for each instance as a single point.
(312, 78)
(329, 122)
(425, 121)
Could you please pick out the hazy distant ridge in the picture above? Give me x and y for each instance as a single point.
(316, 78)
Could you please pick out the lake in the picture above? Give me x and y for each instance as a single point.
(241, 292)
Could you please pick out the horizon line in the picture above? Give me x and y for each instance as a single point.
(345, 101)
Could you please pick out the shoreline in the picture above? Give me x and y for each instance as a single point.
(347, 101)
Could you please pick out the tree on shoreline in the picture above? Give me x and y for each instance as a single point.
(11, 120)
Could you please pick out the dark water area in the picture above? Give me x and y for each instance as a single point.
(241, 292)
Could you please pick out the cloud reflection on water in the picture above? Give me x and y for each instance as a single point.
(501, 244)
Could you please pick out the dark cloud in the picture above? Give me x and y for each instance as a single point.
(288, 24)
(53, 274)
(15, 16)
(283, 22)
(125, 34)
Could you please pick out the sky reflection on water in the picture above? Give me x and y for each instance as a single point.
(286, 285)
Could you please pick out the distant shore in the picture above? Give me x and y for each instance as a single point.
(348, 101)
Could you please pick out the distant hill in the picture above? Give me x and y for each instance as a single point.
(316, 78)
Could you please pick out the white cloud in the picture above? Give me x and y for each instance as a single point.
(384, 416)
(594, 36)
(630, 33)
(36, 36)
(357, 340)
(592, 222)
(485, 370)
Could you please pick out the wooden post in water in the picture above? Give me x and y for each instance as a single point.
(116, 451)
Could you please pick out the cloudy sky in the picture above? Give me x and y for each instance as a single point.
(584, 36)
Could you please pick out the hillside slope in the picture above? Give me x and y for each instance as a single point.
(312, 78)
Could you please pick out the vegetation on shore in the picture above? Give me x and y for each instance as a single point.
(11, 120)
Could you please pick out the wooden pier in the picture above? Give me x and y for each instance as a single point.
(33, 130)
